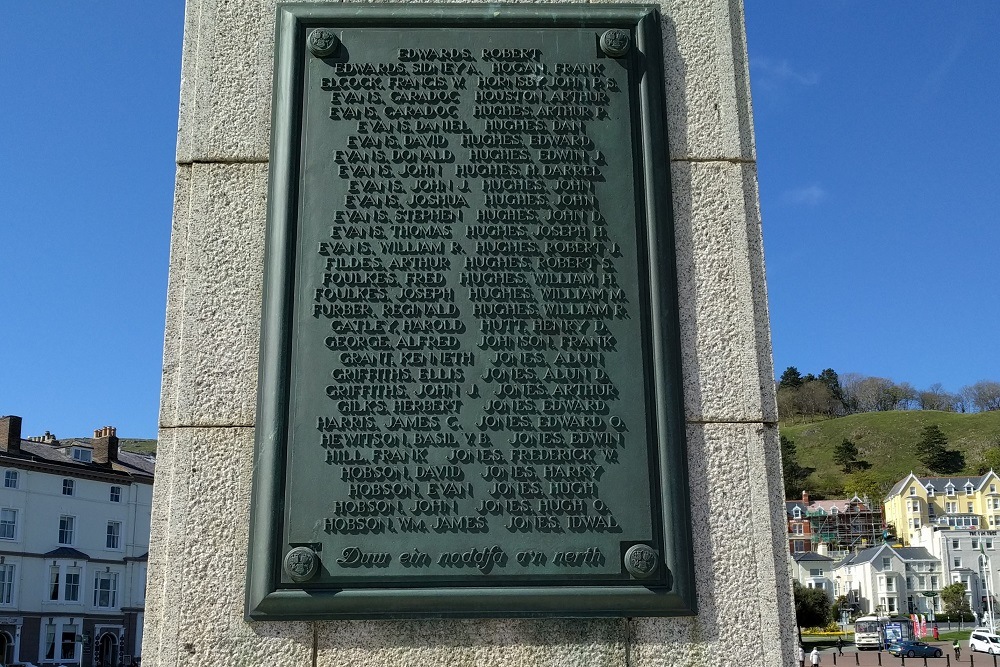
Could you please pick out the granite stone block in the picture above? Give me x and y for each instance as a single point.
(214, 296)
(722, 299)
(198, 559)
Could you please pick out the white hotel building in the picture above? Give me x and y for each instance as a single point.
(74, 540)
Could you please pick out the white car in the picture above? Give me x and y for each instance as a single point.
(984, 641)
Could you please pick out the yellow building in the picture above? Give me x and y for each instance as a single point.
(967, 503)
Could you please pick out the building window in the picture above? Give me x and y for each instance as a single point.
(116, 494)
(930, 492)
(913, 490)
(975, 543)
(989, 542)
(796, 513)
(114, 535)
(106, 589)
(886, 563)
(8, 524)
(82, 455)
(54, 582)
(955, 544)
(67, 524)
(993, 488)
(951, 507)
(797, 529)
(969, 507)
(10, 479)
(934, 584)
(814, 572)
(71, 592)
(66, 650)
(798, 546)
(68, 487)
(949, 490)
(6, 584)
(956, 562)
(968, 489)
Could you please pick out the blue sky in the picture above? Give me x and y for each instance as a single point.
(876, 139)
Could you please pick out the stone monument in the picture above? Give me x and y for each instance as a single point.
(574, 461)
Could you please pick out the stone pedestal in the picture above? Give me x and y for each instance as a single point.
(195, 592)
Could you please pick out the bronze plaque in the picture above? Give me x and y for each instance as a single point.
(469, 396)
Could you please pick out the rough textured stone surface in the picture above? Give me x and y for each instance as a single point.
(739, 560)
(726, 350)
(225, 107)
(214, 295)
(195, 599)
(474, 643)
(198, 559)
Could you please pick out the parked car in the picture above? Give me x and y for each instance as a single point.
(914, 650)
(984, 641)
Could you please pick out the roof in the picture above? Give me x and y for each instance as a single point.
(903, 553)
(833, 506)
(811, 556)
(67, 552)
(939, 483)
(127, 464)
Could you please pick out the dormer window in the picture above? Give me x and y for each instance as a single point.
(949, 490)
(833, 510)
(968, 489)
(797, 513)
(82, 455)
(930, 491)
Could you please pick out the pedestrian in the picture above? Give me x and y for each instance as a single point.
(958, 650)
(802, 656)
(814, 657)
(840, 645)
(936, 635)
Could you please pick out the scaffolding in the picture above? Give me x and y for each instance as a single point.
(846, 525)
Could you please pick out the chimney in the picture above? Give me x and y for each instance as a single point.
(10, 434)
(805, 497)
(105, 445)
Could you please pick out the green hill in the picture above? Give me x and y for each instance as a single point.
(138, 446)
(887, 440)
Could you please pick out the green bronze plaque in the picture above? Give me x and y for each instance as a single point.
(470, 387)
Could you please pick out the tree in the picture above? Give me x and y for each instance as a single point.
(790, 378)
(812, 606)
(953, 597)
(830, 378)
(793, 475)
(933, 452)
(870, 484)
(983, 395)
(935, 398)
(869, 394)
(990, 460)
(846, 456)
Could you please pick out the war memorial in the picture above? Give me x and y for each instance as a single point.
(467, 358)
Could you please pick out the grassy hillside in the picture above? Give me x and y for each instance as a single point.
(887, 440)
(138, 446)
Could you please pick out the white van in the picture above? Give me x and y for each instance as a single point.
(984, 641)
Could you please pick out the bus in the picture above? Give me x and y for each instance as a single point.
(877, 632)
